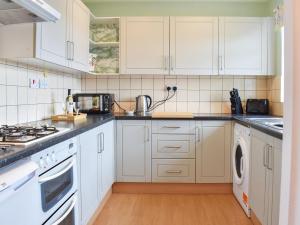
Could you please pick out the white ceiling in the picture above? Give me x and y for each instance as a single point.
(245, 1)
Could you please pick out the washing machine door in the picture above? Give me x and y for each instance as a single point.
(239, 161)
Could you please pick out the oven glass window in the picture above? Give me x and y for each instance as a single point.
(69, 220)
(54, 190)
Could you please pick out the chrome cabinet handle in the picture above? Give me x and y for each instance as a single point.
(172, 63)
(221, 63)
(68, 50)
(71, 145)
(174, 171)
(147, 134)
(99, 142)
(173, 147)
(270, 157)
(265, 157)
(102, 141)
(73, 46)
(171, 127)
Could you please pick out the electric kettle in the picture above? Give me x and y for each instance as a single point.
(143, 103)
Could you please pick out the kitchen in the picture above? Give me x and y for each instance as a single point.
(148, 112)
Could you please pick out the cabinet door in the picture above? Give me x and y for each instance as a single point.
(243, 46)
(89, 145)
(133, 151)
(194, 45)
(79, 35)
(259, 178)
(108, 153)
(274, 190)
(51, 38)
(144, 45)
(213, 147)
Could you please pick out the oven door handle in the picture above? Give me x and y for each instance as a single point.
(67, 212)
(64, 170)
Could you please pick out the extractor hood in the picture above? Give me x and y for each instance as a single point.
(26, 11)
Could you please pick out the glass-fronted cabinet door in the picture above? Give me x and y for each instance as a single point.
(104, 46)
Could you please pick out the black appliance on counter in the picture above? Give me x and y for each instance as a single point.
(257, 106)
(236, 103)
(95, 103)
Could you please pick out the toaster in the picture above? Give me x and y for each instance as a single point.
(257, 106)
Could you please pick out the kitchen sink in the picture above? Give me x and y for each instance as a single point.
(275, 123)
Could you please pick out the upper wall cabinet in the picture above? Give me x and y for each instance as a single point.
(245, 46)
(194, 45)
(144, 45)
(65, 43)
(197, 46)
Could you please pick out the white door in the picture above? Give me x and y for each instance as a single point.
(51, 38)
(258, 178)
(243, 46)
(213, 148)
(134, 151)
(194, 45)
(89, 147)
(107, 152)
(79, 35)
(144, 45)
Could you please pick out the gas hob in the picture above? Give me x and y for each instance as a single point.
(25, 135)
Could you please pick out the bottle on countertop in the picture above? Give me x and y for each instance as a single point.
(69, 103)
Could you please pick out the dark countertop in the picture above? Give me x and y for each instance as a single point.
(76, 128)
(92, 121)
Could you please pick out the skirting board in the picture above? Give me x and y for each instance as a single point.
(100, 207)
(168, 188)
(254, 219)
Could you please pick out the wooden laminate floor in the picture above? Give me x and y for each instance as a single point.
(166, 209)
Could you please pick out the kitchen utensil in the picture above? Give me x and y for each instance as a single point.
(143, 103)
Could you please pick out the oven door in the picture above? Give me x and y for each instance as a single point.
(67, 214)
(58, 184)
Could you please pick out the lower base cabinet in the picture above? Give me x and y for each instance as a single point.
(173, 170)
(134, 151)
(213, 151)
(96, 168)
(265, 177)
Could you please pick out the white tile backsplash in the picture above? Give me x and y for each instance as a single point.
(21, 104)
(197, 94)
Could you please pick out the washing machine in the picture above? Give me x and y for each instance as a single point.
(240, 165)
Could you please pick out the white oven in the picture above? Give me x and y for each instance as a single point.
(67, 214)
(57, 181)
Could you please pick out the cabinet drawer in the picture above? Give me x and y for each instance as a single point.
(173, 170)
(173, 127)
(173, 146)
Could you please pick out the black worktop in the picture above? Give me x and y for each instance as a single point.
(93, 121)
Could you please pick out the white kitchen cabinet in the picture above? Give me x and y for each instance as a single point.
(79, 35)
(96, 167)
(144, 45)
(213, 148)
(173, 170)
(244, 46)
(64, 43)
(107, 157)
(134, 150)
(194, 45)
(265, 177)
(89, 148)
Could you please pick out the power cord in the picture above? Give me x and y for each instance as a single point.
(159, 103)
(120, 107)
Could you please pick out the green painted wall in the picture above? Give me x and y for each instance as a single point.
(179, 9)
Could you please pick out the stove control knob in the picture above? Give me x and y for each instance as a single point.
(53, 158)
(42, 163)
(48, 160)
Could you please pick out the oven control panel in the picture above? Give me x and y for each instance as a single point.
(52, 156)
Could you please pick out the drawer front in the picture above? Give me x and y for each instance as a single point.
(173, 146)
(173, 170)
(173, 127)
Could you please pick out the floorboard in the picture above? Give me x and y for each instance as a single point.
(170, 209)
